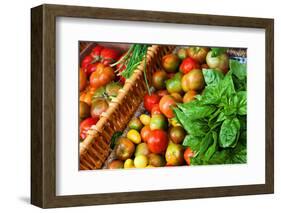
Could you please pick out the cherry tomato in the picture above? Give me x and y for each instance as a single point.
(85, 125)
(187, 155)
(150, 101)
(156, 110)
(145, 133)
(187, 65)
(166, 105)
(161, 93)
(157, 141)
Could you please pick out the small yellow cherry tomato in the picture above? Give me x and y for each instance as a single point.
(140, 161)
(145, 119)
(134, 136)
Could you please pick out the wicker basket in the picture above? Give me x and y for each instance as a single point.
(95, 149)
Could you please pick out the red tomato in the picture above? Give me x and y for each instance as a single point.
(96, 51)
(156, 110)
(85, 125)
(86, 61)
(166, 105)
(150, 100)
(187, 65)
(145, 133)
(187, 155)
(109, 56)
(157, 141)
(91, 68)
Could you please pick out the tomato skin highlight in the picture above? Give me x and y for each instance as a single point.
(157, 141)
(150, 100)
(187, 65)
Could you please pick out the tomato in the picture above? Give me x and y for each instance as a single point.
(198, 53)
(161, 93)
(156, 160)
(189, 96)
(124, 148)
(170, 62)
(177, 97)
(156, 110)
(86, 61)
(91, 68)
(158, 79)
(85, 125)
(96, 51)
(194, 80)
(86, 96)
(187, 65)
(219, 62)
(174, 84)
(182, 54)
(83, 80)
(102, 76)
(84, 109)
(174, 154)
(136, 124)
(145, 133)
(134, 136)
(116, 164)
(166, 105)
(158, 122)
(187, 155)
(109, 56)
(150, 100)
(99, 105)
(177, 134)
(157, 141)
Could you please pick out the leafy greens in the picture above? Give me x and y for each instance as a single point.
(216, 119)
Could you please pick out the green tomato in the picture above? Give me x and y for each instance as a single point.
(173, 85)
(158, 121)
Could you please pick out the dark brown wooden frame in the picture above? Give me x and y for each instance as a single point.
(43, 107)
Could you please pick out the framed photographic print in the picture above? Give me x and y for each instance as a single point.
(136, 106)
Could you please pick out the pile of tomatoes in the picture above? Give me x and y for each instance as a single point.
(98, 84)
(155, 138)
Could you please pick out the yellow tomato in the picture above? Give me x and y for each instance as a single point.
(140, 161)
(129, 163)
(145, 119)
(134, 136)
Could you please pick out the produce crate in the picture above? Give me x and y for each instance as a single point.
(95, 149)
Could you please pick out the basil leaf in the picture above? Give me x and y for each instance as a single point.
(212, 76)
(192, 142)
(227, 86)
(229, 132)
(238, 69)
(242, 102)
(206, 142)
(193, 127)
(212, 149)
(195, 111)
